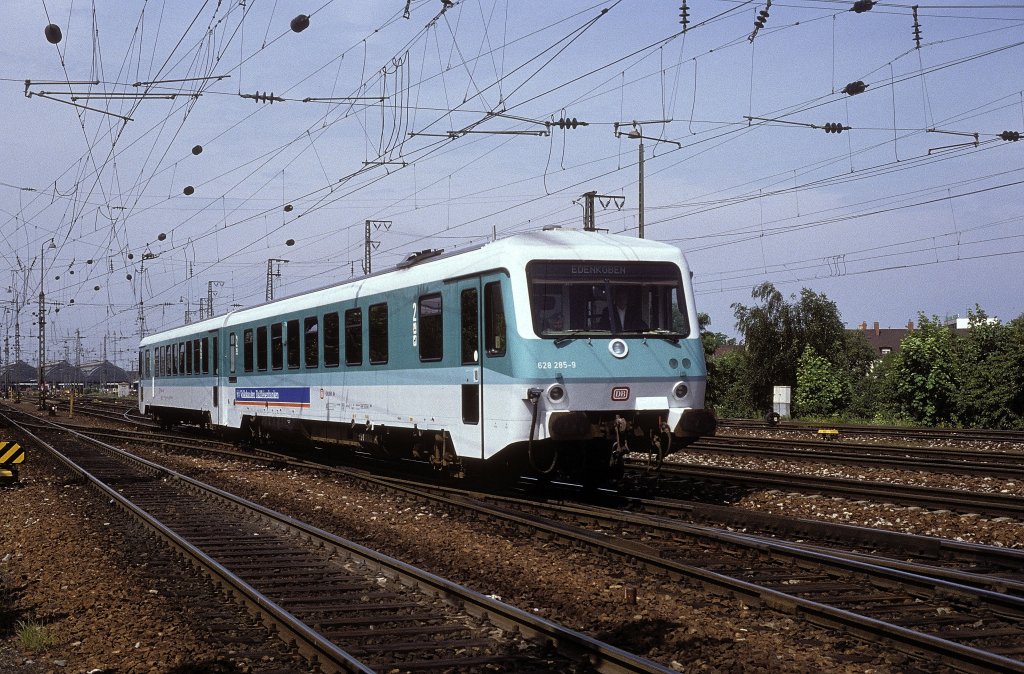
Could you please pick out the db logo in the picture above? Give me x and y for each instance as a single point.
(620, 393)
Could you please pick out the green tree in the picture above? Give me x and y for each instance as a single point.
(822, 389)
(990, 374)
(726, 392)
(861, 374)
(776, 332)
(728, 388)
(711, 340)
(922, 377)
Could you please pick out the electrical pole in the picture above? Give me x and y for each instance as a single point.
(17, 349)
(78, 357)
(370, 245)
(589, 221)
(271, 274)
(640, 194)
(42, 324)
(637, 134)
(209, 297)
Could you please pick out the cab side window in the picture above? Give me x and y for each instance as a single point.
(494, 320)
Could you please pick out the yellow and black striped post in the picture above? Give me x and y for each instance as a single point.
(11, 454)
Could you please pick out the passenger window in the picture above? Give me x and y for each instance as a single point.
(232, 352)
(277, 345)
(292, 343)
(204, 347)
(247, 350)
(332, 340)
(431, 328)
(197, 355)
(261, 348)
(378, 320)
(494, 320)
(188, 358)
(311, 340)
(470, 332)
(354, 337)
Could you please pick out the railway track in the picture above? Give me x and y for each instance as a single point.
(993, 463)
(908, 432)
(968, 621)
(679, 478)
(345, 607)
(958, 605)
(932, 598)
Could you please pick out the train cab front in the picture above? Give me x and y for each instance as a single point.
(619, 364)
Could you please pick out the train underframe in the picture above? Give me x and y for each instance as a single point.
(579, 447)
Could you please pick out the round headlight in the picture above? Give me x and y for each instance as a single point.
(618, 348)
(680, 391)
(556, 393)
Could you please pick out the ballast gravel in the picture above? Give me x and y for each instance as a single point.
(68, 563)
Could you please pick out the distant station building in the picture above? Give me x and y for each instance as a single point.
(62, 374)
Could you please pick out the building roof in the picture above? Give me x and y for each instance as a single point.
(63, 372)
(18, 372)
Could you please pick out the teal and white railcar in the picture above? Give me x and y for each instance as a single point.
(513, 355)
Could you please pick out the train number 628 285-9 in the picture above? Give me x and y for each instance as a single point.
(556, 365)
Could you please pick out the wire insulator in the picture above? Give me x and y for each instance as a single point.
(917, 28)
(862, 6)
(566, 123)
(854, 88)
(684, 15)
(835, 127)
(1012, 136)
(759, 22)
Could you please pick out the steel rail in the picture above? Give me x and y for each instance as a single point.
(914, 432)
(984, 503)
(996, 464)
(311, 644)
(601, 656)
(913, 642)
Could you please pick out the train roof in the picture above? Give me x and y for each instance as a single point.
(513, 252)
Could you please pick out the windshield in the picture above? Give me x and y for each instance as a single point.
(603, 297)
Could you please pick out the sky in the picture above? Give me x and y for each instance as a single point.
(169, 150)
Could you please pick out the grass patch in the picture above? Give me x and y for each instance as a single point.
(35, 637)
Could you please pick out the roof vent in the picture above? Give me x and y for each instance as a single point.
(551, 228)
(419, 256)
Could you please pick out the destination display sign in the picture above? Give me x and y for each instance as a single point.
(281, 396)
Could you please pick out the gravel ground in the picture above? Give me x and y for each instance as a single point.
(685, 628)
(108, 597)
(68, 563)
(999, 531)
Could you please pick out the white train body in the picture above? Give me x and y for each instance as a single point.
(512, 353)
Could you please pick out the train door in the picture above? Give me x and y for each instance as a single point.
(210, 358)
(471, 380)
(494, 407)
